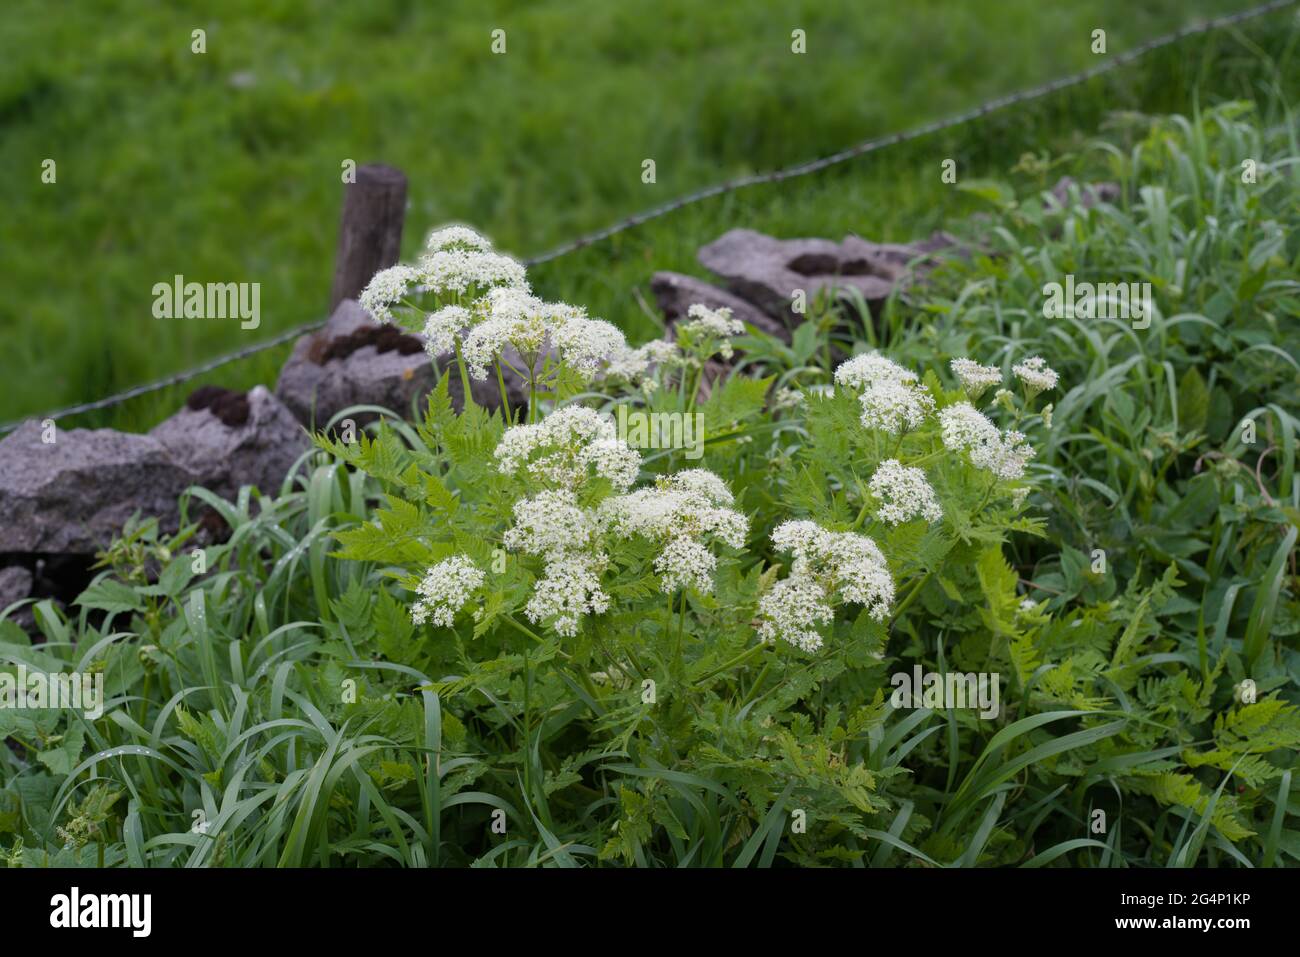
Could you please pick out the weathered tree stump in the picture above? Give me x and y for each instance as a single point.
(370, 235)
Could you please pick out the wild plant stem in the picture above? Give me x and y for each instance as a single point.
(505, 402)
(464, 379)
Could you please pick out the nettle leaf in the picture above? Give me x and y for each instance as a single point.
(65, 755)
(111, 596)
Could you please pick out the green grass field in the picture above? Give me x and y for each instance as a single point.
(225, 166)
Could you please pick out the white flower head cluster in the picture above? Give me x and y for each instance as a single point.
(585, 344)
(463, 236)
(895, 407)
(442, 327)
(567, 447)
(446, 587)
(550, 523)
(794, 610)
(713, 325)
(386, 289)
(509, 317)
(975, 378)
(826, 565)
(904, 494)
(1036, 375)
(964, 428)
(892, 401)
(679, 513)
(637, 365)
(514, 317)
(458, 260)
(569, 590)
(864, 370)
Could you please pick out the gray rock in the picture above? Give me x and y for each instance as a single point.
(259, 452)
(75, 494)
(15, 585)
(768, 271)
(315, 387)
(676, 293)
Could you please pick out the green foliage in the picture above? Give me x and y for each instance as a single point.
(1134, 591)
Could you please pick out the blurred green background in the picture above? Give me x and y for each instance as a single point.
(225, 166)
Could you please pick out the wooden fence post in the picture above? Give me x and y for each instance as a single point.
(370, 235)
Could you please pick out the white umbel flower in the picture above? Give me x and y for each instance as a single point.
(1006, 458)
(568, 590)
(714, 327)
(685, 563)
(794, 610)
(459, 270)
(895, 406)
(864, 370)
(904, 494)
(446, 587)
(826, 565)
(964, 428)
(549, 523)
(585, 344)
(716, 323)
(975, 378)
(1035, 374)
(386, 289)
(442, 327)
(509, 316)
(678, 515)
(456, 236)
(568, 446)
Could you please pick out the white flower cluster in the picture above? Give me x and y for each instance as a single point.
(904, 494)
(892, 401)
(586, 343)
(637, 365)
(458, 260)
(446, 587)
(564, 450)
(569, 590)
(385, 289)
(964, 428)
(826, 565)
(864, 370)
(678, 513)
(1035, 374)
(509, 317)
(574, 443)
(549, 523)
(514, 317)
(975, 378)
(713, 325)
(895, 407)
(442, 327)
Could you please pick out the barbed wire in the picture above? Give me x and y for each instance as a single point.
(728, 186)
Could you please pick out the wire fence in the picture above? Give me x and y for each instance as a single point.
(727, 186)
